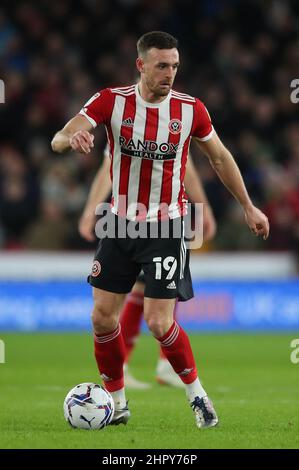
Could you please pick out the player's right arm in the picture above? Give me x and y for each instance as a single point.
(75, 135)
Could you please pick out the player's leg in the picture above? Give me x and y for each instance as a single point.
(106, 327)
(113, 276)
(130, 319)
(109, 348)
(165, 375)
(158, 314)
(176, 346)
(167, 277)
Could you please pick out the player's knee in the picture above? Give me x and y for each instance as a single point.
(158, 326)
(103, 320)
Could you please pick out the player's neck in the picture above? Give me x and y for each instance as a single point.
(148, 95)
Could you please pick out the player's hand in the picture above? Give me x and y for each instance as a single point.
(257, 221)
(82, 141)
(86, 226)
(209, 223)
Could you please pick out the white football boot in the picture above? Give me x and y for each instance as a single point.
(205, 415)
(121, 416)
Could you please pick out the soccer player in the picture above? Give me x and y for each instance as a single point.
(131, 314)
(149, 127)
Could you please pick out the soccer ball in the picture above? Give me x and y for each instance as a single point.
(88, 406)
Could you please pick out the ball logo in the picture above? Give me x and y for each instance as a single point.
(175, 126)
(96, 269)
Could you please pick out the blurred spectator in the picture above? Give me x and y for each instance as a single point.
(50, 231)
(19, 194)
(282, 208)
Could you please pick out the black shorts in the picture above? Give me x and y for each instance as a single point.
(164, 262)
(141, 277)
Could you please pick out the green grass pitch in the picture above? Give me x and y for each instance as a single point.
(250, 378)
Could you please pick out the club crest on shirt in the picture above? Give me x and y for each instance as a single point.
(175, 126)
(96, 269)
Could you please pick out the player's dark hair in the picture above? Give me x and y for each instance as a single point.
(157, 39)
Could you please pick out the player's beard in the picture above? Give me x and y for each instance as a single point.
(158, 90)
(164, 91)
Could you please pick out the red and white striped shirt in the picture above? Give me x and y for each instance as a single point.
(149, 145)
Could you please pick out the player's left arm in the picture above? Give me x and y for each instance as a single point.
(226, 168)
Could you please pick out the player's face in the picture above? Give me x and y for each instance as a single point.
(158, 69)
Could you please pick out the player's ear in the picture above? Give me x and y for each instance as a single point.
(140, 64)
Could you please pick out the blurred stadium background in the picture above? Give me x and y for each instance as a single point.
(239, 57)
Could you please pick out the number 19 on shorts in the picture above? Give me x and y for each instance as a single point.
(169, 264)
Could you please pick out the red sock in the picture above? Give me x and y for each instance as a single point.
(177, 349)
(131, 317)
(109, 352)
(162, 355)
